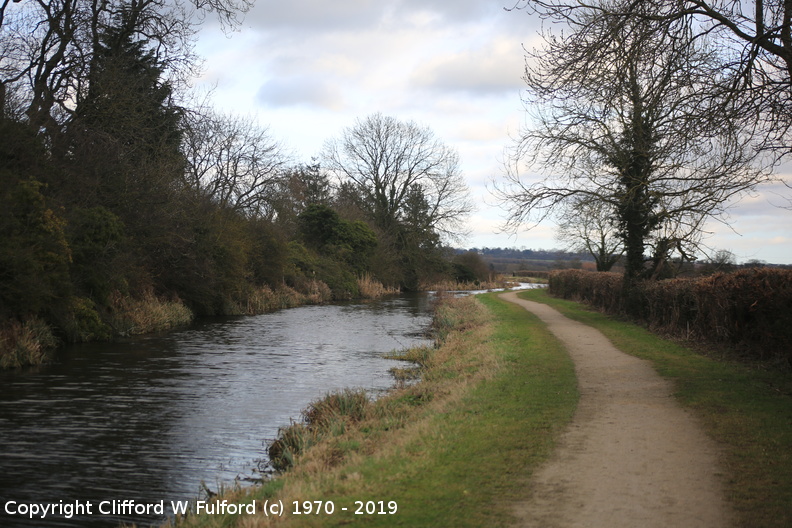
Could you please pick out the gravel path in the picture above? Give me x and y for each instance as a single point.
(631, 457)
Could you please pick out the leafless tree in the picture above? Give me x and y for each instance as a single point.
(233, 161)
(403, 173)
(587, 225)
(753, 39)
(49, 46)
(622, 112)
(721, 260)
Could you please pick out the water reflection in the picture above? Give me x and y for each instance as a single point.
(150, 418)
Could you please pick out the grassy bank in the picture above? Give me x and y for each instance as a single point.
(31, 341)
(747, 409)
(454, 449)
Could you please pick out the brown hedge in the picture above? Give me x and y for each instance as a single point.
(748, 310)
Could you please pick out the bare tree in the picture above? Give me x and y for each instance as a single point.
(233, 161)
(402, 173)
(50, 46)
(623, 113)
(587, 225)
(753, 39)
(722, 260)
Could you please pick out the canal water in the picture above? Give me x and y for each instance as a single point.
(156, 418)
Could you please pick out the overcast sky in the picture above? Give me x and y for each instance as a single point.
(310, 68)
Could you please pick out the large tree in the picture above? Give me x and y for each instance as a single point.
(622, 112)
(408, 185)
(389, 162)
(122, 143)
(233, 161)
(753, 39)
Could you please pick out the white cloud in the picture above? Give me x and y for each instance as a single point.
(493, 69)
(309, 68)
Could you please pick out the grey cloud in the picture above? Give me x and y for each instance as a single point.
(305, 16)
(456, 10)
(315, 15)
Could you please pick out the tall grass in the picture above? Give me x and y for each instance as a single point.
(371, 288)
(326, 417)
(147, 313)
(25, 343)
(265, 299)
(499, 282)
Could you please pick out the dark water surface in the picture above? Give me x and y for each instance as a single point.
(150, 418)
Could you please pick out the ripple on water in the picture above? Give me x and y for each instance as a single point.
(150, 418)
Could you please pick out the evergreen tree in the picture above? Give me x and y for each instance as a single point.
(127, 130)
(123, 156)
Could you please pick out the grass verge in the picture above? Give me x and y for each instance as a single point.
(454, 449)
(746, 409)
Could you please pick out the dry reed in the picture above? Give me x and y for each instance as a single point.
(25, 343)
(147, 313)
(371, 288)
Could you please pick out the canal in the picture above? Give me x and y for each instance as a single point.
(163, 417)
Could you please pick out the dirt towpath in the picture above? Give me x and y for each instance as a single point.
(632, 457)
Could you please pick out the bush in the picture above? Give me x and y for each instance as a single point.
(34, 254)
(95, 236)
(82, 322)
(603, 290)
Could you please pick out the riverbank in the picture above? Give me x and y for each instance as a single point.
(457, 449)
(446, 451)
(32, 341)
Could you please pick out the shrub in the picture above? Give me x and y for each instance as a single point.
(34, 253)
(82, 322)
(95, 237)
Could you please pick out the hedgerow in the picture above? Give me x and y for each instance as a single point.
(749, 311)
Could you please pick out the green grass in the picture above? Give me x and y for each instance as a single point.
(454, 450)
(747, 409)
(473, 462)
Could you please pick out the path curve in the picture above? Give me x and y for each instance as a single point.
(631, 457)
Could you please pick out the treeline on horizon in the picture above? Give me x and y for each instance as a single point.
(511, 260)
